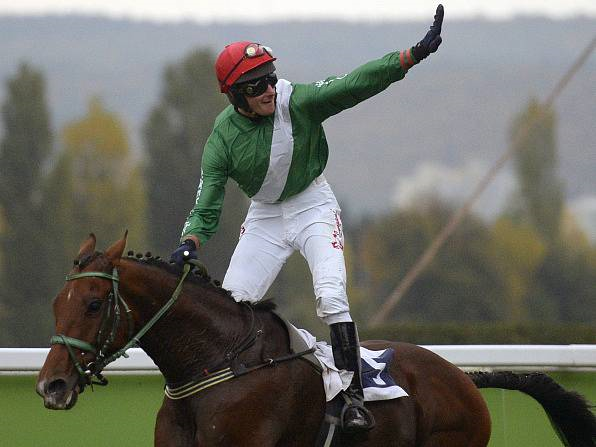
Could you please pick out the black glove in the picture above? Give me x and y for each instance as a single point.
(432, 40)
(186, 251)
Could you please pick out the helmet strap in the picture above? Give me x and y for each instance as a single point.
(238, 100)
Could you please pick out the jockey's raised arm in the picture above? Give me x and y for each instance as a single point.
(271, 141)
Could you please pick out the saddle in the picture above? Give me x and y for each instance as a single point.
(377, 383)
(298, 343)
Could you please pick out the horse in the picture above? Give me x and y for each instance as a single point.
(199, 337)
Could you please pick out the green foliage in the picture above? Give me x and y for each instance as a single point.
(95, 186)
(568, 278)
(565, 277)
(460, 284)
(518, 253)
(174, 136)
(26, 144)
(487, 272)
(501, 271)
(540, 190)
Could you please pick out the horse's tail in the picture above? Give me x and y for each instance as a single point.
(569, 412)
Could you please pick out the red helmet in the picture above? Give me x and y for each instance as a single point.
(239, 58)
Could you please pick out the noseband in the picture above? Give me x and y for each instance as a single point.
(102, 359)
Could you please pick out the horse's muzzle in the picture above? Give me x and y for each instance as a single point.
(58, 394)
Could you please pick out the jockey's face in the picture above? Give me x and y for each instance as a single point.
(263, 105)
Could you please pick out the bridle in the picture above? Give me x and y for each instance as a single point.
(113, 311)
(231, 367)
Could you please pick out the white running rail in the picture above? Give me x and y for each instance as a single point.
(548, 357)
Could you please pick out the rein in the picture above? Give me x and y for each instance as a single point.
(173, 391)
(114, 301)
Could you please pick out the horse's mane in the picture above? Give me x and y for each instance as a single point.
(197, 276)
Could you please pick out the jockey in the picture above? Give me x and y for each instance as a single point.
(270, 140)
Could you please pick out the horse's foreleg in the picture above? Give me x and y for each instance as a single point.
(173, 429)
(456, 438)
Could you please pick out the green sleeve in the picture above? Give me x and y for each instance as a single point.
(326, 98)
(203, 219)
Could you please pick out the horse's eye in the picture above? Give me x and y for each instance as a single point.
(94, 306)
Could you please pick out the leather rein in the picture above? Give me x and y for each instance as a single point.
(106, 336)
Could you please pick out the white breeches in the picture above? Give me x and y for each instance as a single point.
(309, 222)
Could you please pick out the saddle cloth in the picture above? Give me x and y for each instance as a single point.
(376, 380)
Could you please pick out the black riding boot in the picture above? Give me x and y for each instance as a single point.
(346, 354)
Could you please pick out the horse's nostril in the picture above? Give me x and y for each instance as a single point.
(57, 386)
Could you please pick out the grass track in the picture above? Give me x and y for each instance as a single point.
(123, 414)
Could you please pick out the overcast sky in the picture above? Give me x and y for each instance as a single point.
(259, 10)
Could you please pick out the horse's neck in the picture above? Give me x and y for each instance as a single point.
(202, 326)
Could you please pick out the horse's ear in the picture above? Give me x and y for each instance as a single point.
(115, 251)
(87, 247)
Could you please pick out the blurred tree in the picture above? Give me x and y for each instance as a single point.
(460, 285)
(540, 190)
(174, 136)
(4, 337)
(96, 186)
(566, 277)
(26, 144)
(519, 252)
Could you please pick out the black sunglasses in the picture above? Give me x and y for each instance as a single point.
(258, 86)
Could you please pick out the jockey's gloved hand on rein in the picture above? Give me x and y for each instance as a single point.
(432, 40)
(187, 250)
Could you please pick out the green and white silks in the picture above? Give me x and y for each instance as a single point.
(279, 156)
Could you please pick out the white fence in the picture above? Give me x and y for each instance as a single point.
(544, 357)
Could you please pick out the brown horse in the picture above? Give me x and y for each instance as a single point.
(196, 334)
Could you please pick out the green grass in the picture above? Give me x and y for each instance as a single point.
(123, 414)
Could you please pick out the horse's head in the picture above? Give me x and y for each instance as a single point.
(88, 325)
